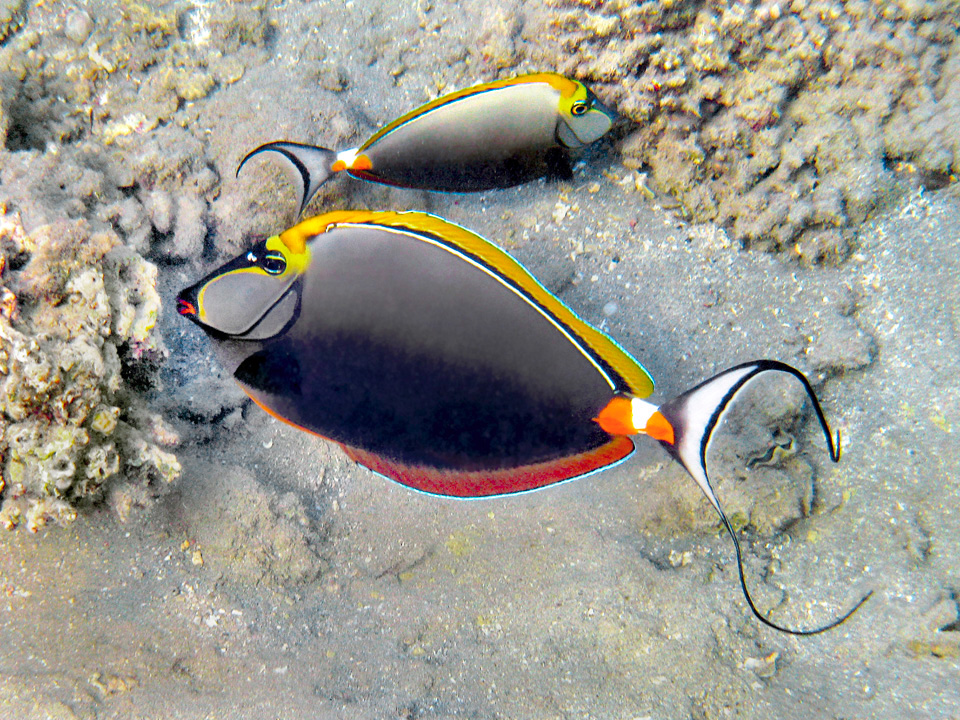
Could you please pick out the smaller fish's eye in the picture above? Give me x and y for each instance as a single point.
(579, 108)
(273, 263)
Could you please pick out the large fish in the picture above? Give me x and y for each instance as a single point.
(436, 360)
(488, 136)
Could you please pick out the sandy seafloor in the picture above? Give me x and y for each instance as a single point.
(279, 580)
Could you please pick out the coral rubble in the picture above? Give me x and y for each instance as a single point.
(781, 120)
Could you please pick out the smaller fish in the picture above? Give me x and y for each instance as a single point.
(494, 135)
(436, 360)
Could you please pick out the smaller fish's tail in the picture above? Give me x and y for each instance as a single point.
(312, 166)
(685, 427)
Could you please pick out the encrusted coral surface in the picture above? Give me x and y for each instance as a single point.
(109, 99)
(782, 120)
(100, 178)
(77, 305)
(11, 18)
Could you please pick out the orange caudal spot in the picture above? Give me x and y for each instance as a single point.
(362, 162)
(616, 418)
(659, 428)
(338, 166)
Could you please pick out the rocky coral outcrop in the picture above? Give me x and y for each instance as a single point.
(784, 121)
(78, 309)
(101, 176)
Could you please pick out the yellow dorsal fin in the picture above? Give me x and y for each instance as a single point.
(639, 383)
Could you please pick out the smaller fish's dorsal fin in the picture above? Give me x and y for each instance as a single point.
(564, 85)
(636, 379)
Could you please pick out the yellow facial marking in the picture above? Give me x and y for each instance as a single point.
(294, 251)
(295, 239)
(576, 102)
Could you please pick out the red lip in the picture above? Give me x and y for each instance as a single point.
(185, 307)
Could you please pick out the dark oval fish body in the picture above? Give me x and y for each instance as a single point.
(427, 352)
(486, 139)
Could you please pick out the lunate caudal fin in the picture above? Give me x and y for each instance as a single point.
(312, 166)
(695, 415)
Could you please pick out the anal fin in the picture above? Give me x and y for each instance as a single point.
(489, 483)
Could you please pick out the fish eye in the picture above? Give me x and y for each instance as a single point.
(273, 263)
(579, 108)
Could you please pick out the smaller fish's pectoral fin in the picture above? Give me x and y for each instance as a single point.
(558, 165)
(695, 415)
(312, 166)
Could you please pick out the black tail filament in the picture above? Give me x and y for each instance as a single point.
(834, 449)
(769, 623)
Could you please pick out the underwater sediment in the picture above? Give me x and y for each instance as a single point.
(275, 559)
(782, 122)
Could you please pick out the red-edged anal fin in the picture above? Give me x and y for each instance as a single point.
(487, 483)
